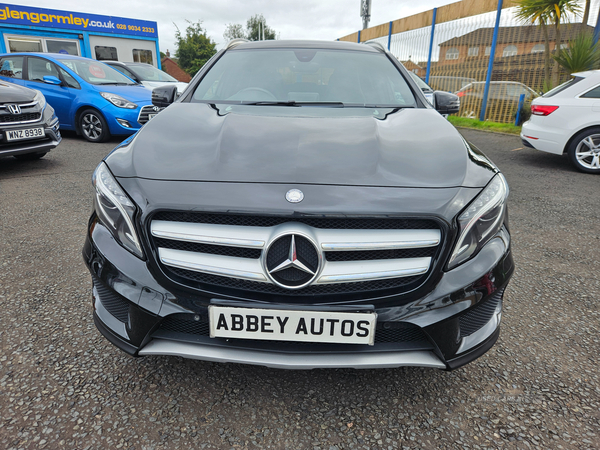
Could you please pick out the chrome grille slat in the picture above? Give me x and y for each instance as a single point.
(228, 266)
(340, 271)
(336, 272)
(254, 237)
(331, 240)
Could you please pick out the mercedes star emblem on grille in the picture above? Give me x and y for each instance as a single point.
(14, 109)
(292, 261)
(294, 195)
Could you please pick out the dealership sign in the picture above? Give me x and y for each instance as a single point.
(25, 15)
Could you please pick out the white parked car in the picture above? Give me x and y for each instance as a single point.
(147, 74)
(567, 120)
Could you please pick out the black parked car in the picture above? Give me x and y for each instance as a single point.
(301, 205)
(28, 125)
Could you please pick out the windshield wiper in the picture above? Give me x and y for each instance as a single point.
(116, 84)
(295, 103)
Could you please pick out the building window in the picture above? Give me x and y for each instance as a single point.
(473, 51)
(64, 47)
(452, 53)
(510, 50)
(564, 46)
(538, 48)
(488, 50)
(25, 45)
(142, 56)
(106, 53)
(42, 45)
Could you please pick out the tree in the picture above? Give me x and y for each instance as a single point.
(256, 28)
(194, 49)
(234, 31)
(544, 12)
(586, 12)
(581, 55)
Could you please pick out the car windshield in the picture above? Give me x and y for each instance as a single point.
(305, 76)
(96, 73)
(146, 72)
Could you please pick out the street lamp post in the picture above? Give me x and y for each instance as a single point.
(365, 12)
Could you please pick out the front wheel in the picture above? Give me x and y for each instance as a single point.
(93, 126)
(584, 151)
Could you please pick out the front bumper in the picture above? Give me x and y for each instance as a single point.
(50, 140)
(456, 322)
(118, 117)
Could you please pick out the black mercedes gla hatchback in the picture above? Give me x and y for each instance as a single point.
(300, 205)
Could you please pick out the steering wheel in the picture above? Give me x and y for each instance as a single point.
(256, 89)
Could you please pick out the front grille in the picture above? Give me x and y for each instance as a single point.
(385, 333)
(238, 252)
(112, 302)
(367, 257)
(145, 111)
(339, 223)
(208, 282)
(370, 255)
(479, 315)
(13, 118)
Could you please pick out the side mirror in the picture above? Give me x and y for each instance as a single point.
(446, 103)
(163, 96)
(49, 79)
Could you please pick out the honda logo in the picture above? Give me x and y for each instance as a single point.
(14, 109)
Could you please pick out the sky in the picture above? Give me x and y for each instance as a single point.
(306, 19)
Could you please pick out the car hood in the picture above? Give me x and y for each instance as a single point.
(13, 93)
(154, 84)
(414, 147)
(136, 93)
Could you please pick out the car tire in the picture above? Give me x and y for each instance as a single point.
(584, 150)
(92, 126)
(30, 156)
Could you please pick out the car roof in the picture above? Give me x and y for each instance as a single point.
(283, 44)
(50, 55)
(587, 73)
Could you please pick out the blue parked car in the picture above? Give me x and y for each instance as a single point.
(88, 96)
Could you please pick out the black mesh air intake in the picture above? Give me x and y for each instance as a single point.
(481, 314)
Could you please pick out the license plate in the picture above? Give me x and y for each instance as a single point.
(297, 326)
(151, 116)
(27, 133)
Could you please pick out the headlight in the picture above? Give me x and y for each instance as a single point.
(119, 101)
(115, 210)
(39, 97)
(480, 221)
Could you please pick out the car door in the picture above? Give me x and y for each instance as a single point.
(60, 97)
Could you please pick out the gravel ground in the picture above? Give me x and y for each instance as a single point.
(63, 386)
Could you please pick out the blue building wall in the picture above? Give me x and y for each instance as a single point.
(43, 22)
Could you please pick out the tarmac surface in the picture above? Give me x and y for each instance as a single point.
(63, 386)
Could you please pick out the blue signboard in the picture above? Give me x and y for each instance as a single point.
(25, 15)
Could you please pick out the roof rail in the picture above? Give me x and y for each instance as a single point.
(235, 42)
(376, 45)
